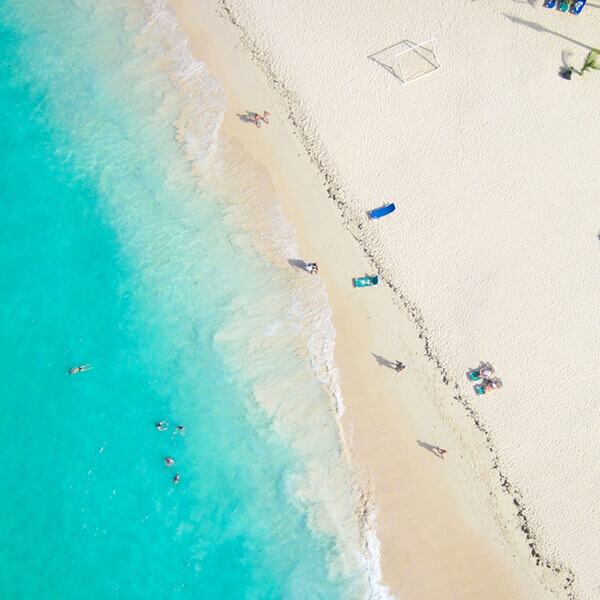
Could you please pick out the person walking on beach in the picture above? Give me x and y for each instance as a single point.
(257, 119)
(265, 117)
(312, 268)
(441, 452)
(399, 366)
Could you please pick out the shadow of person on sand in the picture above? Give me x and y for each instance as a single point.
(384, 362)
(432, 449)
(249, 117)
(297, 263)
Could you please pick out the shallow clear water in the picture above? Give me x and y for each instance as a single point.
(113, 253)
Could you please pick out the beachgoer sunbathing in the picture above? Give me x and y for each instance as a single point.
(80, 369)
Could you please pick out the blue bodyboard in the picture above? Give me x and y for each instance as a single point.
(381, 212)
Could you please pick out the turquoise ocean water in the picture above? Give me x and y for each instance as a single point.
(113, 252)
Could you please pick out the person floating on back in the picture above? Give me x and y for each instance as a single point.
(169, 461)
(162, 425)
(80, 369)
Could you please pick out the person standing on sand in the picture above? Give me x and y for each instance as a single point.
(399, 366)
(266, 116)
(441, 452)
(257, 119)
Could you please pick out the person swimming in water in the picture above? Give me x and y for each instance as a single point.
(162, 425)
(179, 429)
(169, 461)
(176, 478)
(80, 369)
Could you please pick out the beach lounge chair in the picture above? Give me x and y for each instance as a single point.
(550, 3)
(360, 282)
(381, 212)
(563, 6)
(578, 6)
(486, 370)
(488, 385)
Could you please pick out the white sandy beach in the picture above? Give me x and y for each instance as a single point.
(492, 255)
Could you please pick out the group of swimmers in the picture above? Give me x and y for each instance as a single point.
(169, 462)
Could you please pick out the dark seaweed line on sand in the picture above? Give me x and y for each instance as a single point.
(354, 226)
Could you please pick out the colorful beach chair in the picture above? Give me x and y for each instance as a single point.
(486, 371)
(578, 6)
(488, 385)
(550, 3)
(360, 282)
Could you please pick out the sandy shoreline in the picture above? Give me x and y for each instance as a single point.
(446, 528)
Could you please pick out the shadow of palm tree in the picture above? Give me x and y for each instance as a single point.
(541, 29)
